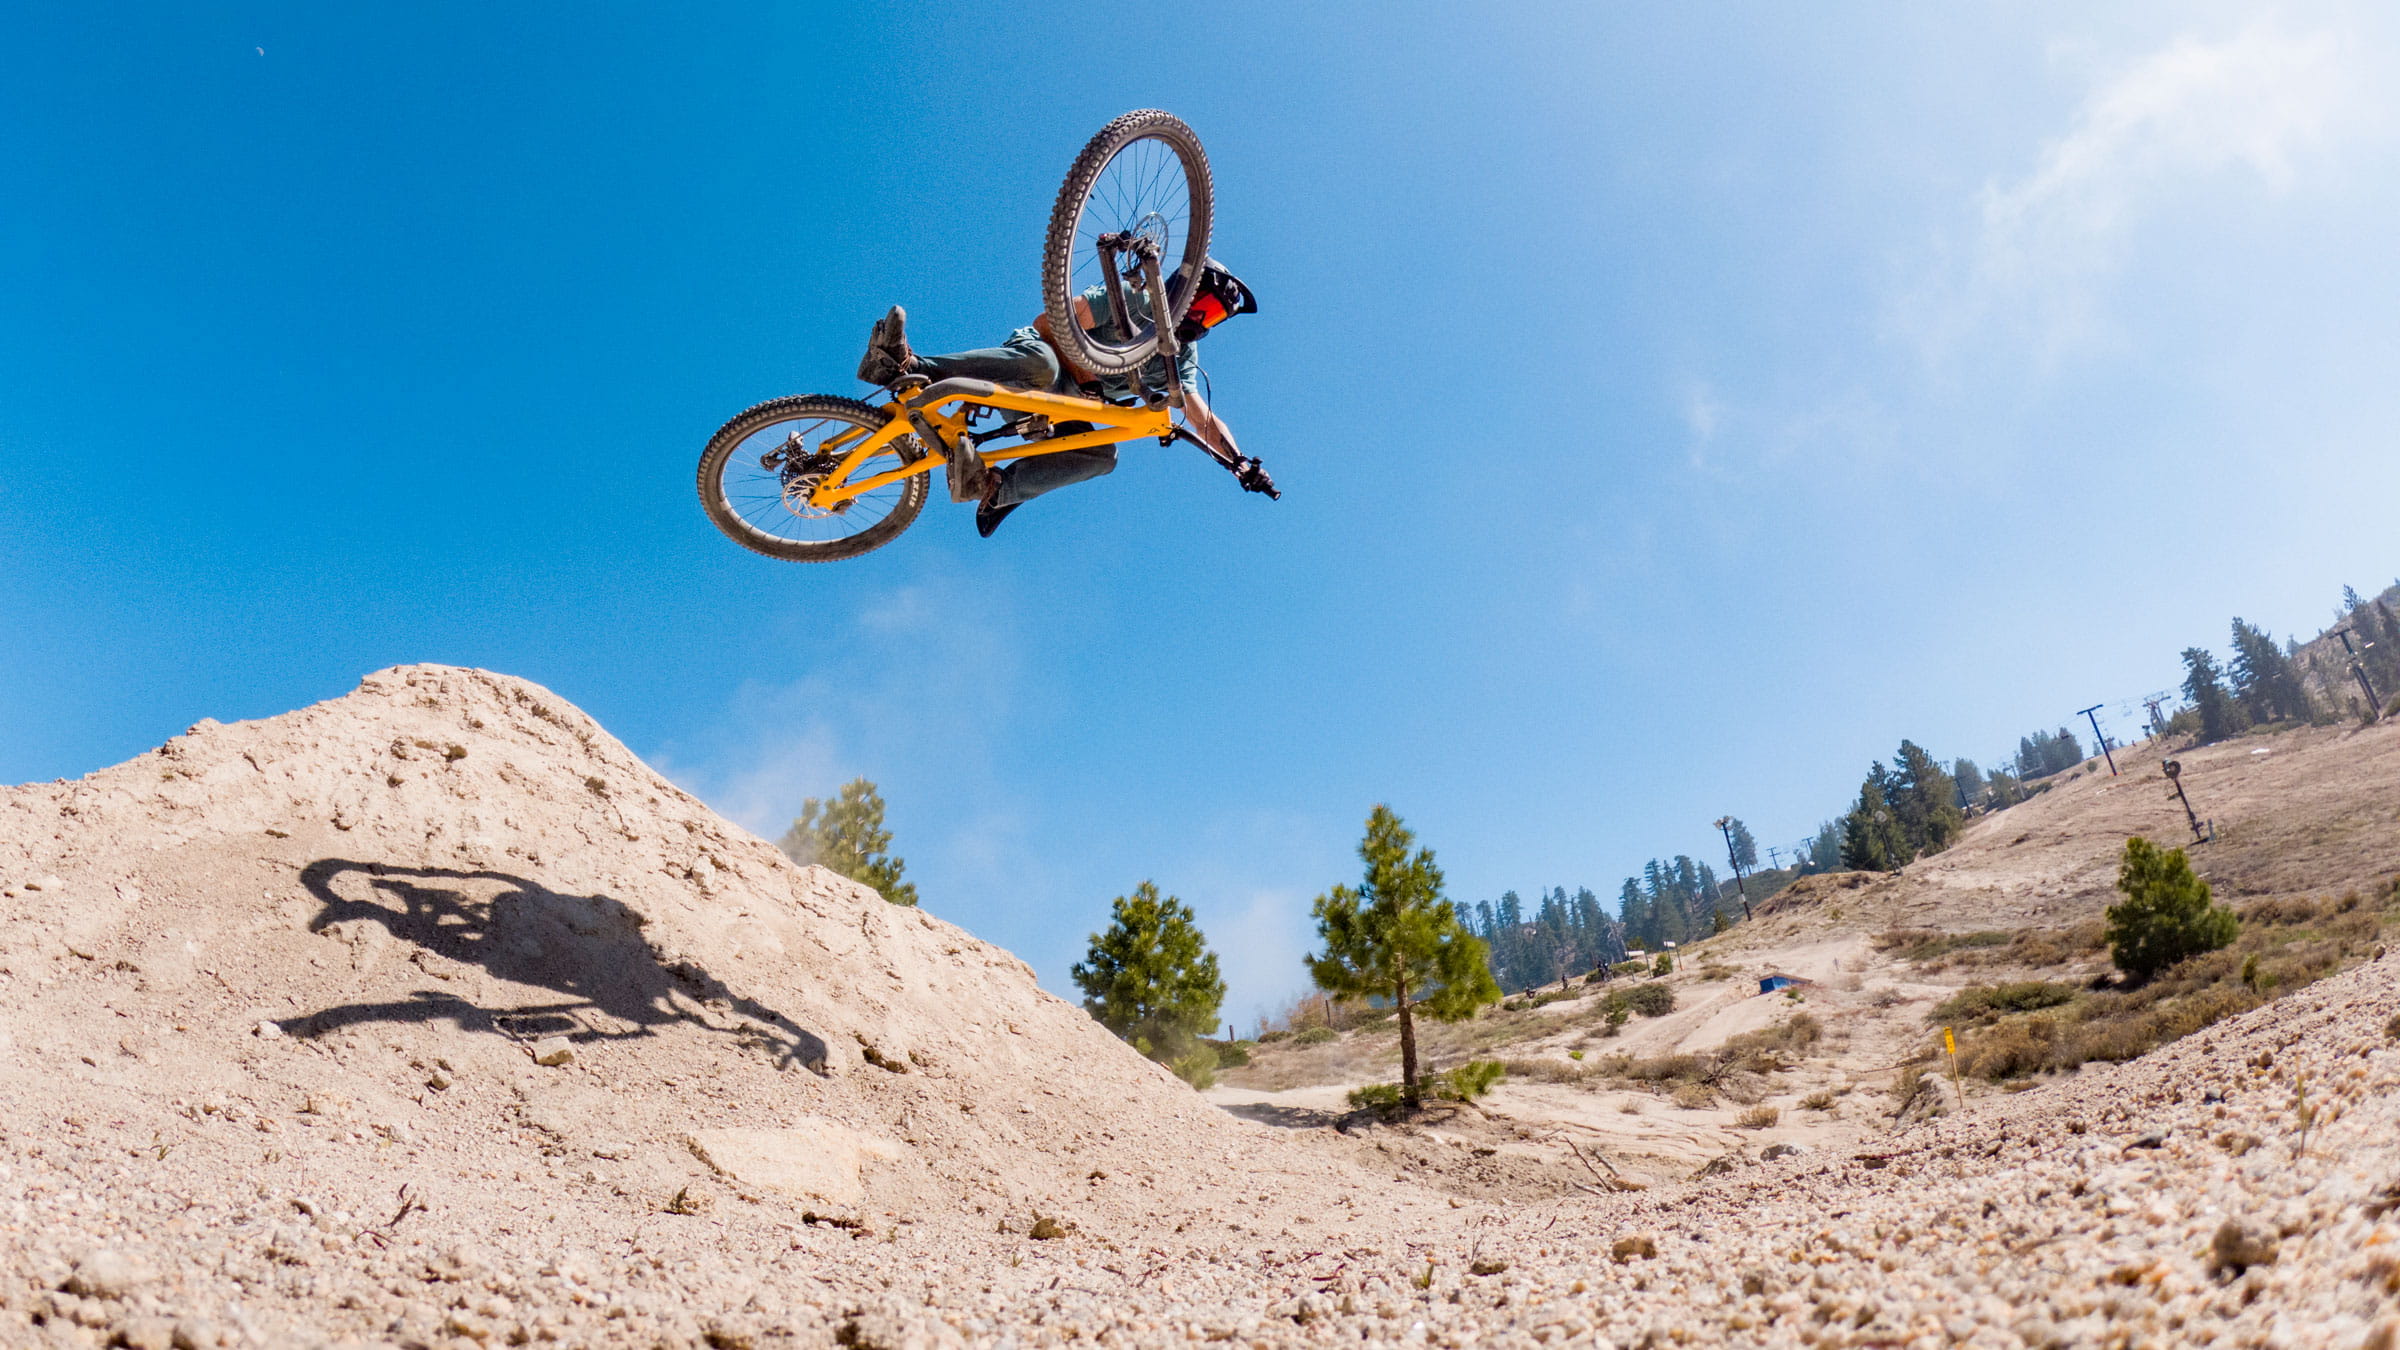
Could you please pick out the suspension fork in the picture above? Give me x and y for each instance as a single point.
(1153, 281)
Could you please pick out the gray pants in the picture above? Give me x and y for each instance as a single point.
(1028, 363)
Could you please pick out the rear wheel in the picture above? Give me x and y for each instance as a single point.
(756, 473)
(1144, 174)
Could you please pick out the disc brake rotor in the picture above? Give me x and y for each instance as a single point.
(800, 473)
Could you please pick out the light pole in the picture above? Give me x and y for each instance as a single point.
(2093, 712)
(1725, 826)
(2359, 669)
(2175, 777)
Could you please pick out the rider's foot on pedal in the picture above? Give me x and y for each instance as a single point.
(888, 357)
(989, 513)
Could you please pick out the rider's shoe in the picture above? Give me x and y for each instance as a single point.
(989, 513)
(888, 357)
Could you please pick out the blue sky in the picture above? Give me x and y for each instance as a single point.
(1676, 406)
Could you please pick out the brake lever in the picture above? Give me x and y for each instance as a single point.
(1248, 472)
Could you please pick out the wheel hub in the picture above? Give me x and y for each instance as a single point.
(800, 473)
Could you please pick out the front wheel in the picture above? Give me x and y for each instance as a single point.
(1143, 175)
(757, 471)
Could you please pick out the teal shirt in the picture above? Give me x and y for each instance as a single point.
(1154, 371)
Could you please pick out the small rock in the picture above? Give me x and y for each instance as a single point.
(553, 1052)
(1773, 1151)
(147, 1333)
(50, 884)
(2239, 1246)
(2150, 1139)
(1721, 1166)
(106, 1274)
(268, 1030)
(197, 1333)
(1637, 1245)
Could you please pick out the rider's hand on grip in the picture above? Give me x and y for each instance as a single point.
(1252, 475)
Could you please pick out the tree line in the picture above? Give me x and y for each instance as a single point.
(1562, 936)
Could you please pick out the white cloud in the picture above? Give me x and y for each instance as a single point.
(861, 708)
(2252, 111)
(1259, 946)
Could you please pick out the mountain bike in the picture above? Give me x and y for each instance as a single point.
(821, 477)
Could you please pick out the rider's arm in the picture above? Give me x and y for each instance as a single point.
(1210, 428)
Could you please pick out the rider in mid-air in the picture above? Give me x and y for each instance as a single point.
(1031, 359)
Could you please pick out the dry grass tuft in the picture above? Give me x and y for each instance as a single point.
(1758, 1118)
(1694, 1097)
(1817, 1101)
(2284, 944)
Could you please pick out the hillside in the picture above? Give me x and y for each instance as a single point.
(430, 1016)
(2300, 814)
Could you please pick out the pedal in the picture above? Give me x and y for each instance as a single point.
(966, 472)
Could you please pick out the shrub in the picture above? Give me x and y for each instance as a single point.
(1631, 1106)
(1198, 1068)
(1762, 1051)
(2166, 916)
(1232, 1054)
(1664, 965)
(1929, 944)
(1758, 1117)
(1315, 1036)
(1650, 1000)
(1694, 1097)
(1661, 1068)
(1379, 1096)
(1463, 1083)
(1985, 1002)
(1548, 1070)
(1469, 1080)
(1632, 967)
(1270, 1037)
(2392, 1028)
(1817, 1101)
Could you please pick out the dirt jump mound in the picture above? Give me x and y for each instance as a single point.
(298, 1006)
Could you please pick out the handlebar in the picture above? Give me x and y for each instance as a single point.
(1249, 472)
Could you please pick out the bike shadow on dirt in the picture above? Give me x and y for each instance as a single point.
(587, 947)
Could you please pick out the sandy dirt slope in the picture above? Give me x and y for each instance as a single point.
(2299, 812)
(430, 1017)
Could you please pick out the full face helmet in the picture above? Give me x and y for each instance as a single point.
(1219, 296)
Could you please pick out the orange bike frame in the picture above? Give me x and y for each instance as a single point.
(942, 410)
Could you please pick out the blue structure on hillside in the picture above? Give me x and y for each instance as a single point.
(1774, 982)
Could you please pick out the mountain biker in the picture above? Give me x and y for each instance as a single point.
(1031, 359)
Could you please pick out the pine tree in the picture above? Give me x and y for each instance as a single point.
(1872, 839)
(2065, 751)
(1745, 848)
(2263, 679)
(2350, 600)
(1394, 936)
(1825, 850)
(2220, 716)
(1925, 800)
(2166, 915)
(1633, 910)
(1968, 781)
(2383, 656)
(847, 836)
(1152, 980)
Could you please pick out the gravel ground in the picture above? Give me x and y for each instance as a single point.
(429, 1016)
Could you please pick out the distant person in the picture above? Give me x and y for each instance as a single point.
(1031, 359)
